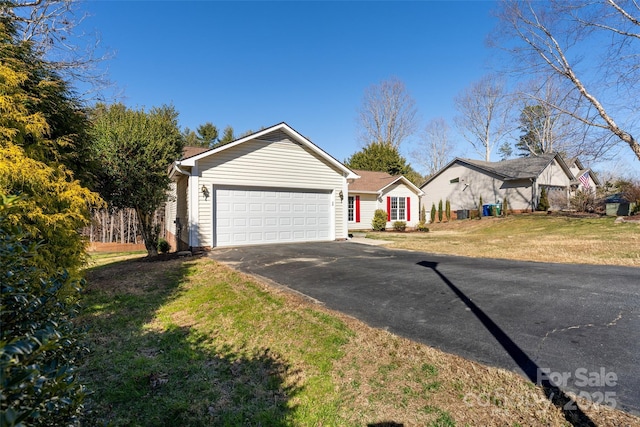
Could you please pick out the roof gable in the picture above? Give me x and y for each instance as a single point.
(521, 168)
(377, 182)
(274, 133)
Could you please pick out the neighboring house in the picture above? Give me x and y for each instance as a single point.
(268, 187)
(585, 180)
(464, 181)
(396, 195)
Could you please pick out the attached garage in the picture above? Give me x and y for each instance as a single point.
(274, 186)
(251, 216)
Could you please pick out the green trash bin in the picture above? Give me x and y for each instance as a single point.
(498, 209)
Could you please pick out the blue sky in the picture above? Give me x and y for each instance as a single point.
(255, 64)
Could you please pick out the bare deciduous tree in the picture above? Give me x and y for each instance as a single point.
(434, 150)
(594, 47)
(545, 129)
(484, 119)
(388, 114)
(51, 26)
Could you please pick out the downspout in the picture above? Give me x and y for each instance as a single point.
(534, 196)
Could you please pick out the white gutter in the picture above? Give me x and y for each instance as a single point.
(177, 168)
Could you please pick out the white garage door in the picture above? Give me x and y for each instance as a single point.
(250, 216)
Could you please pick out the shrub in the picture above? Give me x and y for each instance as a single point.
(379, 222)
(505, 207)
(163, 246)
(447, 210)
(543, 204)
(440, 211)
(423, 215)
(494, 210)
(39, 345)
(433, 213)
(422, 226)
(583, 201)
(399, 226)
(480, 209)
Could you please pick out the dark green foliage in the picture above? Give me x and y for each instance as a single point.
(480, 209)
(227, 137)
(440, 211)
(208, 134)
(379, 222)
(399, 225)
(532, 122)
(163, 246)
(447, 210)
(380, 157)
(39, 345)
(505, 150)
(543, 204)
(135, 149)
(433, 213)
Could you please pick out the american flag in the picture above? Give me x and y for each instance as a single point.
(584, 179)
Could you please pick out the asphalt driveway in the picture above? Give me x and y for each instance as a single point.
(579, 323)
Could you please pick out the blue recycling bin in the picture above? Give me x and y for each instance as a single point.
(486, 210)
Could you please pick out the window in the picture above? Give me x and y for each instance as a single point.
(454, 180)
(398, 208)
(351, 208)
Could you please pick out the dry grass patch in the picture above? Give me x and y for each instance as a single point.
(529, 237)
(386, 378)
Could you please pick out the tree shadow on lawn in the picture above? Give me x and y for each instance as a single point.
(153, 376)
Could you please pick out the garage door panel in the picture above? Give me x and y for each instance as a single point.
(255, 216)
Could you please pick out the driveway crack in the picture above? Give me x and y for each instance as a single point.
(614, 322)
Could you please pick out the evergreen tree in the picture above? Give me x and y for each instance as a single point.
(227, 137)
(208, 134)
(440, 211)
(381, 157)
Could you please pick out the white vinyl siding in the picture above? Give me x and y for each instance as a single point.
(273, 164)
(170, 209)
(401, 191)
(369, 203)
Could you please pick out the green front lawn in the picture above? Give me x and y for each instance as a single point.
(191, 342)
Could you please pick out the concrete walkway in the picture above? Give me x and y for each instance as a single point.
(365, 241)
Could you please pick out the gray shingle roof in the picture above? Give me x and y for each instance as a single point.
(522, 168)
